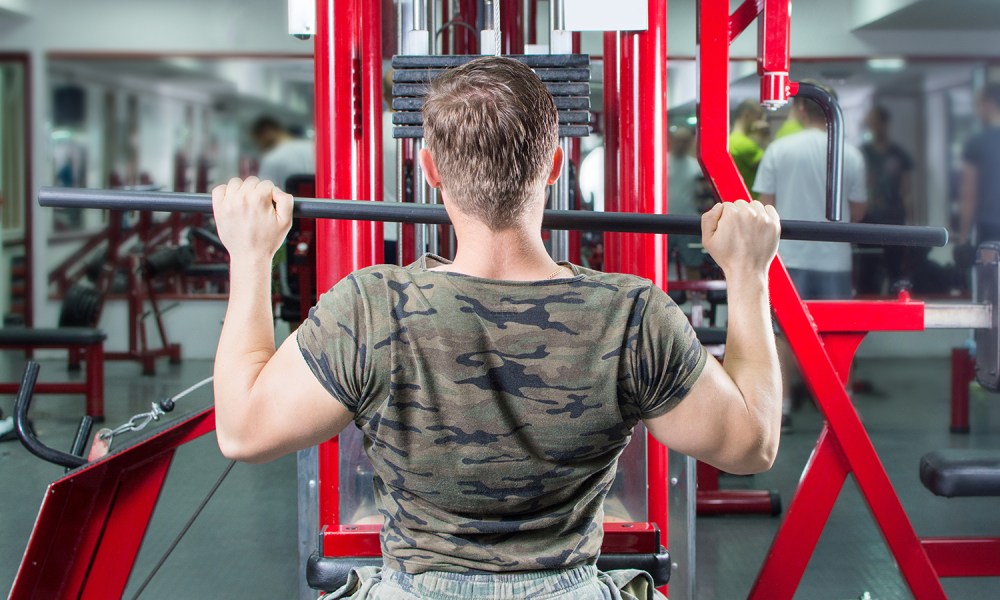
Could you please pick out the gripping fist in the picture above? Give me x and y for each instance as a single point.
(741, 236)
(253, 217)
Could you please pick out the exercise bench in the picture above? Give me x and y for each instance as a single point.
(962, 473)
(78, 341)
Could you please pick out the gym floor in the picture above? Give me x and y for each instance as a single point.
(243, 545)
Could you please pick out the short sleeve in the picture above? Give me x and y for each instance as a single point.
(765, 182)
(334, 341)
(855, 182)
(668, 356)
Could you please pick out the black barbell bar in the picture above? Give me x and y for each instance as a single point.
(434, 214)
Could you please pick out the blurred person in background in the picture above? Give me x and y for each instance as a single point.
(889, 171)
(282, 154)
(792, 178)
(683, 172)
(745, 149)
(979, 203)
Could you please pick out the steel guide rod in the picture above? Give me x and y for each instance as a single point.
(352, 210)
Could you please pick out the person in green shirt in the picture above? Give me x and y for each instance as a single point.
(746, 152)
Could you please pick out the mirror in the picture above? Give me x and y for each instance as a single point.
(177, 124)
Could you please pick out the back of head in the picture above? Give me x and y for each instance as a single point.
(812, 110)
(492, 129)
(748, 110)
(266, 131)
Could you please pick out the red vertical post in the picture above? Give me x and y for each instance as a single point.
(962, 373)
(512, 27)
(470, 15)
(348, 165)
(446, 32)
(643, 97)
(612, 241)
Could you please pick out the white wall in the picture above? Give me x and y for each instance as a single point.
(215, 27)
(825, 28)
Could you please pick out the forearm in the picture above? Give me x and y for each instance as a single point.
(245, 346)
(751, 355)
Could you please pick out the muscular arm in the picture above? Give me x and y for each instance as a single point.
(967, 201)
(731, 418)
(267, 403)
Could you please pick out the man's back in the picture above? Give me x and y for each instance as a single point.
(291, 157)
(494, 412)
(983, 152)
(794, 172)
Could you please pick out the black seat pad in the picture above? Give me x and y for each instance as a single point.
(955, 473)
(208, 270)
(70, 336)
(711, 336)
(327, 573)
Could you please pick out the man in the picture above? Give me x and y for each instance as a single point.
(980, 188)
(792, 177)
(282, 155)
(746, 152)
(683, 172)
(494, 392)
(890, 202)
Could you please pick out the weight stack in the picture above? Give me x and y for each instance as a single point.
(567, 77)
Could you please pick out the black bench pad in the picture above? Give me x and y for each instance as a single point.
(955, 473)
(55, 336)
(711, 336)
(327, 574)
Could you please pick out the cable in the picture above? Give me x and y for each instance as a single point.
(187, 526)
(497, 38)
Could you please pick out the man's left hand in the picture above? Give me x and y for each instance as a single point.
(252, 216)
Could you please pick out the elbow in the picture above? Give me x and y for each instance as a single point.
(236, 448)
(758, 455)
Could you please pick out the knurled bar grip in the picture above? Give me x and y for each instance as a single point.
(434, 214)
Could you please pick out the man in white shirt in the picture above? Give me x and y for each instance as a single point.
(282, 154)
(792, 178)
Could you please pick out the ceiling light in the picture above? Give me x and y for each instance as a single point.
(887, 64)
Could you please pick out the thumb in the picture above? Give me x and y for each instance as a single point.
(710, 220)
(283, 204)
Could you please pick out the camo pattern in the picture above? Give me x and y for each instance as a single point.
(494, 412)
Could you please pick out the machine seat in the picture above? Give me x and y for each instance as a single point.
(55, 336)
(956, 473)
(326, 573)
(711, 336)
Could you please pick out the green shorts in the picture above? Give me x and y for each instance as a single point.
(579, 583)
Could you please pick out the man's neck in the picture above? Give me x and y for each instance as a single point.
(511, 254)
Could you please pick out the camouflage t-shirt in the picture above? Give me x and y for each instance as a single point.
(494, 412)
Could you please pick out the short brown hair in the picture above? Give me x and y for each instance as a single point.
(492, 128)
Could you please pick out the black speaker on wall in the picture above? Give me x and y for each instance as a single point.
(68, 106)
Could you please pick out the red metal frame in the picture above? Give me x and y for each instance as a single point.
(963, 371)
(93, 520)
(92, 386)
(348, 67)
(640, 104)
(824, 337)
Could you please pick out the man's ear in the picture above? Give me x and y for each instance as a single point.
(429, 168)
(557, 165)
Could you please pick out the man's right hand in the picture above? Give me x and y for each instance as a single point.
(741, 236)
